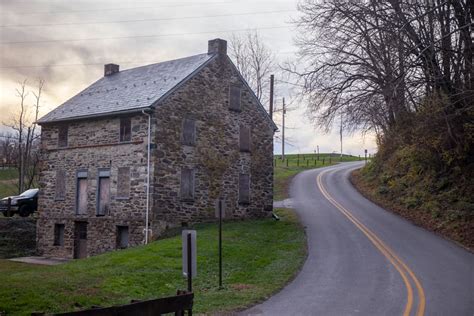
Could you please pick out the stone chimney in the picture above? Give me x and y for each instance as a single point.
(110, 69)
(217, 46)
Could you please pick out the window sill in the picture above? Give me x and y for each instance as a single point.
(187, 200)
(122, 198)
(244, 203)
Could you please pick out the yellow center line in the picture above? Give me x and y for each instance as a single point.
(397, 263)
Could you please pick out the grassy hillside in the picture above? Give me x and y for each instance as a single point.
(259, 258)
(413, 183)
(285, 170)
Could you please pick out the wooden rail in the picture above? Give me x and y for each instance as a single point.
(174, 304)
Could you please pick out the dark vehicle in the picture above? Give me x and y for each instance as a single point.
(23, 204)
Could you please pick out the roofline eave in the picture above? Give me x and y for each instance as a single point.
(98, 115)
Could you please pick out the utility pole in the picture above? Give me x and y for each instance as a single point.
(283, 132)
(271, 96)
(341, 136)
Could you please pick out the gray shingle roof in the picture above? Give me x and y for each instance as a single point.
(127, 90)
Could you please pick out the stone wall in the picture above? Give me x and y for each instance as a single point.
(205, 98)
(215, 158)
(92, 144)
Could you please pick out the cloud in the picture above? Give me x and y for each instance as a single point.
(82, 61)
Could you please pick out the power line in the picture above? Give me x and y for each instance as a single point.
(290, 83)
(96, 63)
(145, 20)
(78, 64)
(140, 36)
(125, 8)
(131, 8)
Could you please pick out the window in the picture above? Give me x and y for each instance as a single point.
(58, 235)
(122, 237)
(103, 192)
(189, 132)
(244, 188)
(62, 136)
(187, 184)
(244, 138)
(60, 193)
(123, 183)
(81, 193)
(234, 98)
(125, 129)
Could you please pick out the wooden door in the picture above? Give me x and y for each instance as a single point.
(80, 240)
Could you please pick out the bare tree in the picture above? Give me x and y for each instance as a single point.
(7, 149)
(31, 148)
(25, 135)
(378, 62)
(255, 61)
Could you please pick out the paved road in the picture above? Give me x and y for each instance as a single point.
(364, 260)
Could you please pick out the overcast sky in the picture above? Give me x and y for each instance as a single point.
(67, 42)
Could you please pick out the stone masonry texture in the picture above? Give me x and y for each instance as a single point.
(215, 157)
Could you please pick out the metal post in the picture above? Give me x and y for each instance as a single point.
(283, 132)
(318, 152)
(147, 228)
(341, 137)
(220, 244)
(190, 268)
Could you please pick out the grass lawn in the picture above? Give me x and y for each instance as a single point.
(8, 187)
(8, 182)
(260, 257)
(284, 170)
(8, 173)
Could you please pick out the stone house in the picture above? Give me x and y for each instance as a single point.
(149, 148)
